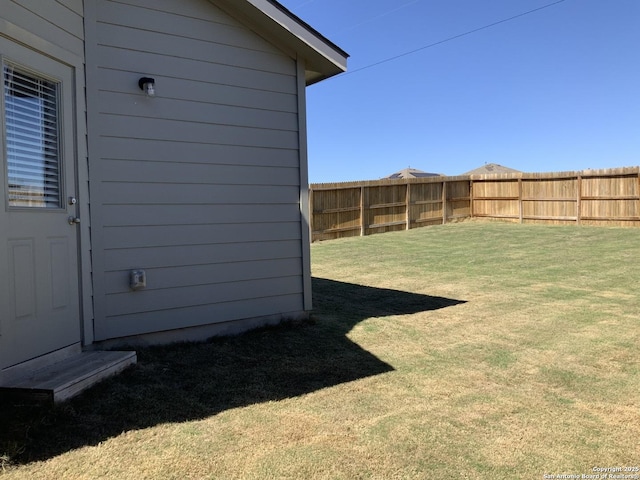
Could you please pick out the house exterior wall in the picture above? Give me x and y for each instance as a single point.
(56, 29)
(200, 186)
(58, 22)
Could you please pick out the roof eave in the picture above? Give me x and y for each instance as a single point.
(323, 58)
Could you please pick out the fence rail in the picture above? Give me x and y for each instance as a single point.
(598, 197)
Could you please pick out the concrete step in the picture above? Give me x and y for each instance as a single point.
(61, 381)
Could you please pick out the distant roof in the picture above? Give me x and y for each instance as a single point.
(490, 168)
(412, 173)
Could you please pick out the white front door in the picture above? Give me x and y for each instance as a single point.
(39, 291)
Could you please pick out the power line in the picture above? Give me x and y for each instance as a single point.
(440, 42)
(377, 17)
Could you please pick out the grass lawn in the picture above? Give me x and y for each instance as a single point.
(473, 350)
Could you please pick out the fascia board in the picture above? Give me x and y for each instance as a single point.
(322, 57)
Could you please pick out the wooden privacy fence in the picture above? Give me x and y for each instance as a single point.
(599, 197)
(364, 208)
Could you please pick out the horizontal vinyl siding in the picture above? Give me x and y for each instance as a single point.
(200, 92)
(201, 51)
(170, 130)
(181, 255)
(199, 185)
(161, 152)
(147, 236)
(121, 193)
(196, 315)
(197, 112)
(58, 22)
(164, 278)
(161, 66)
(191, 173)
(183, 20)
(76, 6)
(182, 297)
(195, 214)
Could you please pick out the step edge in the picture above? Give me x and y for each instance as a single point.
(97, 370)
(23, 382)
(73, 389)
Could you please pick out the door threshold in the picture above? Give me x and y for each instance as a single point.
(63, 380)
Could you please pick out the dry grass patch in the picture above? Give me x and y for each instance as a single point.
(463, 351)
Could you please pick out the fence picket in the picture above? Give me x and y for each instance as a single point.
(591, 197)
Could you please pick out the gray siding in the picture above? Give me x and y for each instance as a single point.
(59, 22)
(200, 186)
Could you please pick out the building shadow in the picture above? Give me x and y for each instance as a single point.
(185, 382)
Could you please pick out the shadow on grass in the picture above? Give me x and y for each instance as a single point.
(185, 382)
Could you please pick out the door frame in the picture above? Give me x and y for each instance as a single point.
(17, 34)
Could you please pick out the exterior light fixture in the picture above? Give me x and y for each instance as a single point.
(147, 85)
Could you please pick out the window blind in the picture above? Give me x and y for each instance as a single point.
(32, 139)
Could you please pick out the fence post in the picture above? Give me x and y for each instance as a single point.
(362, 223)
(520, 199)
(408, 202)
(444, 202)
(638, 204)
(579, 200)
(470, 198)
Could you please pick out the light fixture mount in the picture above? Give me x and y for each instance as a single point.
(147, 85)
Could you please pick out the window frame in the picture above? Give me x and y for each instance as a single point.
(4, 163)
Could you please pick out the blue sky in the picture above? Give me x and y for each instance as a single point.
(554, 90)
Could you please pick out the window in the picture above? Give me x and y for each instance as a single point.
(32, 139)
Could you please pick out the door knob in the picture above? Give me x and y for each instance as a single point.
(73, 220)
